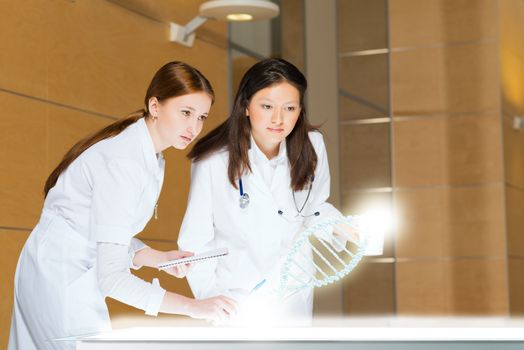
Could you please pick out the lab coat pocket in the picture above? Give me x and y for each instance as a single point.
(85, 307)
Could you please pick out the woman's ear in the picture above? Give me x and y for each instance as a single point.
(153, 106)
(247, 112)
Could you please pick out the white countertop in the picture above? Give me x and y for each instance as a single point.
(348, 329)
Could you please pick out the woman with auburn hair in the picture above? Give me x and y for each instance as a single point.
(257, 180)
(103, 193)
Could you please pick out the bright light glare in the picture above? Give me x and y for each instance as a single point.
(378, 219)
(254, 312)
(263, 311)
(375, 224)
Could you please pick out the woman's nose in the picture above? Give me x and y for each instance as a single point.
(191, 130)
(193, 126)
(277, 117)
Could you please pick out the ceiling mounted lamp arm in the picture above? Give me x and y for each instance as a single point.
(185, 35)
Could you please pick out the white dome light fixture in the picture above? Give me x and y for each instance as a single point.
(224, 10)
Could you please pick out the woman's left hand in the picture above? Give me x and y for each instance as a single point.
(179, 271)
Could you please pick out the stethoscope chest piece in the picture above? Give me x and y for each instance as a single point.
(244, 197)
(244, 201)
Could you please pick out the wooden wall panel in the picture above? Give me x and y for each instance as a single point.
(448, 157)
(451, 222)
(451, 79)
(108, 67)
(65, 127)
(430, 22)
(516, 285)
(370, 289)
(23, 58)
(448, 150)
(22, 160)
(511, 29)
(513, 153)
(368, 19)
(364, 82)
(452, 287)
(515, 221)
(365, 156)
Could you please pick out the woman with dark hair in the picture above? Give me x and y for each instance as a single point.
(103, 193)
(257, 180)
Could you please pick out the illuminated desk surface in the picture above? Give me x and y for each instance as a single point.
(395, 334)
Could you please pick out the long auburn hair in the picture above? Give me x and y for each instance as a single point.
(171, 80)
(234, 134)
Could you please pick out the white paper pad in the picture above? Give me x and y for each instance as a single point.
(216, 253)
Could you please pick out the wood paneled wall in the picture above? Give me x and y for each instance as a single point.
(433, 89)
(447, 158)
(511, 28)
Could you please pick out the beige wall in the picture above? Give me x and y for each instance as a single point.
(511, 29)
(447, 158)
(365, 150)
(68, 68)
(428, 127)
(292, 15)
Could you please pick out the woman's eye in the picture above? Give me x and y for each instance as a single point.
(186, 113)
(292, 108)
(266, 106)
(202, 117)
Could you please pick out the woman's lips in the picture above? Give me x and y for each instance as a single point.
(276, 130)
(185, 138)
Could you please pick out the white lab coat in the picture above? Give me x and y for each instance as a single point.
(106, 195)
(258, 237)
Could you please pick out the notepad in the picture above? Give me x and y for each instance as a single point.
(212, 254)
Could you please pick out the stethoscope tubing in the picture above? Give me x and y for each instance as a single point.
(244, 200)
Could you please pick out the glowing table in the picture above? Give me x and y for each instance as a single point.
(387, 335)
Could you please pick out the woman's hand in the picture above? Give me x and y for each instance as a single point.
(179, 271)
(347, 232)
(217, 310)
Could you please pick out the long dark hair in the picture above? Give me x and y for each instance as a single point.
(172, 80)
(234, 133)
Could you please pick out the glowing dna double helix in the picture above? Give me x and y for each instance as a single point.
(318, 258)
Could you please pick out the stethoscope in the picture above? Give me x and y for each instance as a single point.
(244, 200)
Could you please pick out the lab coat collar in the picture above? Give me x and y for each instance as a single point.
(258, 157)
(259, 160)
(153, 160)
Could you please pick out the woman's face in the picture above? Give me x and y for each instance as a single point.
(273, 113)
(180, 119)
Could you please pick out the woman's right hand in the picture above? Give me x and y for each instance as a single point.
(217, 309)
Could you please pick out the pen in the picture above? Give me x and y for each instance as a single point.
(260, 284)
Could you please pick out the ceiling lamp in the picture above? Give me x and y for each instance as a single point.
(224, 10)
